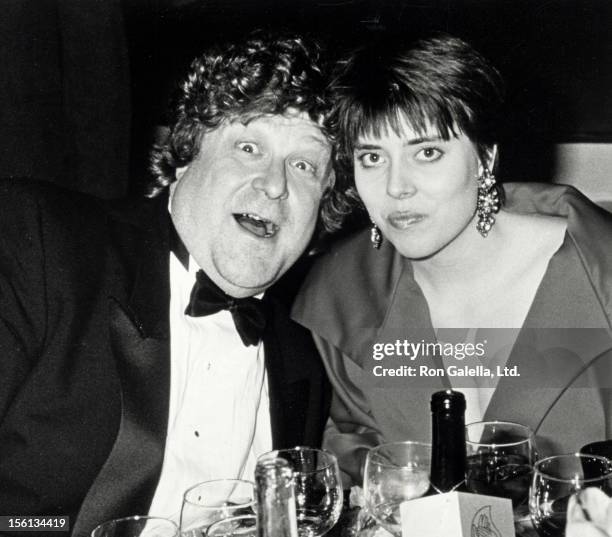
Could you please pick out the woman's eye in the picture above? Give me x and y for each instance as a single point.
(429, 154)
(370, 160)
(248, 147)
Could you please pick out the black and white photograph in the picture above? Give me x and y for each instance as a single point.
(306, 268)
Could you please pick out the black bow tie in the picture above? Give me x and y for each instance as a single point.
(249, 314)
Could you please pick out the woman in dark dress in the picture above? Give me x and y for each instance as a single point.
(527, 281)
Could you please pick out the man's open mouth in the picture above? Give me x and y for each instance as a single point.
(258, 226)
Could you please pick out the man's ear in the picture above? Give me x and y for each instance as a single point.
(180, 172)
(331, 179)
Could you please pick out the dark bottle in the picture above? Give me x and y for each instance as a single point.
(274, 486)
(448, 456)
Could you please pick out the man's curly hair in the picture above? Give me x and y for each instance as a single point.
(263, 75)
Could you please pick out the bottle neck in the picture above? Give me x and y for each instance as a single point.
(274, 486)
(448, 453)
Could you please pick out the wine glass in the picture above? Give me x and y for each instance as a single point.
(318, 488)
(555, 479)
(236, 526)
(137, 526)
(214, 500)
(500, 459)
(602, 448)
(395, 473)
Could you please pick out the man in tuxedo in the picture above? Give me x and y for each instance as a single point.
(147, 346)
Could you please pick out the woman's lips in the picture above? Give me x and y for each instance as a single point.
(402, 220)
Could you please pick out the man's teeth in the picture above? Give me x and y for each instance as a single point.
(257, 225)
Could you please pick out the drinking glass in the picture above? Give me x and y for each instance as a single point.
(236, 526)
(318, 488)
(500, 459)
(214, 500)
(394, 473)
(602, 448)
(555, 479)
(137, 526)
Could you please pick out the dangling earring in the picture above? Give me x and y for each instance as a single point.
(488, 202)
(375, 235)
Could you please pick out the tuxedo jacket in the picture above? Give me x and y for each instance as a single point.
(85, 356)
(356, 297)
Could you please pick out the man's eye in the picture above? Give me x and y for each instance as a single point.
(304, 166)
(370, 160)
(248, 147)
(429, 154)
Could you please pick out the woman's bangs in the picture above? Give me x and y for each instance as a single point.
(423, 119)
(376, 124)
(427, 117)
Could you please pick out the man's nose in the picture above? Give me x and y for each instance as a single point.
(400, 182)
(272, 181)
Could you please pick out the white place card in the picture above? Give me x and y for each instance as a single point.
(457, 514)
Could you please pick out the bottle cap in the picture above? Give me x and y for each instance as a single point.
(448, 400)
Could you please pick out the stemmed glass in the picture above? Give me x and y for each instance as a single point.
(137, 526)
(500, 459)
(318, 488)
(214, 500)
(555, 479)
(395, 473)
(236, 526)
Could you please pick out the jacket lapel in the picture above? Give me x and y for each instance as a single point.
(552, 353)
(138, 329)
(288, 396)
(401, 397)
(299, 391)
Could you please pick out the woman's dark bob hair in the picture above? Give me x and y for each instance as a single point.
(439, 82)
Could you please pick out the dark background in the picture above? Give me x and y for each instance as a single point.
(84, 83)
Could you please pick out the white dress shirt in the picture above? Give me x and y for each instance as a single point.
(219, 417)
